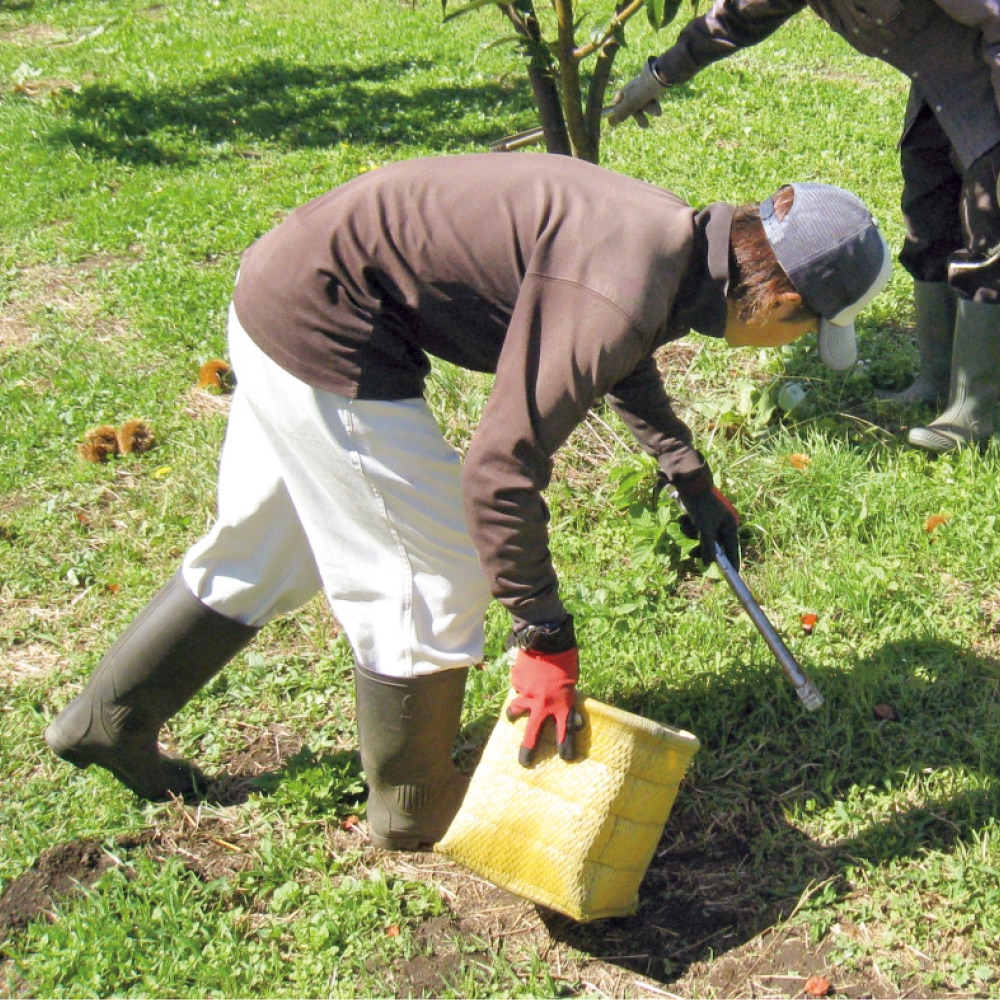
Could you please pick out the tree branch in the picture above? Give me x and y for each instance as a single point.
(611, 32)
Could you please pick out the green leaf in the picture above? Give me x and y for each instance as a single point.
(661, 12)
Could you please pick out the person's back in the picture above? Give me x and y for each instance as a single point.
(431, 255)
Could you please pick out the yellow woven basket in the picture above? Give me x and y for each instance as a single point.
(575, 836)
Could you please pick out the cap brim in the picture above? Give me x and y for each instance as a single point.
(838, 346)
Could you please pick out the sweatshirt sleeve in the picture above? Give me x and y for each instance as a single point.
(565, 347)
(642, 403)
(729, 25)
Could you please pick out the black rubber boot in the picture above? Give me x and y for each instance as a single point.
(975, 382)
(406, 728)
(935, 305)
(170, 651)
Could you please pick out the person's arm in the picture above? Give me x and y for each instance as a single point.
(565, 346)
(642, 403)
(727, 27)
(730, 25)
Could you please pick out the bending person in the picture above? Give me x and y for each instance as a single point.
(334, 475)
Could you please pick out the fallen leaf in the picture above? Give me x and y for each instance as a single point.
(935, 521)
(392, 930)
(809, 622)
(816, 986)
(349, 822)
(163, 470)
(799, 461)
(885, 712)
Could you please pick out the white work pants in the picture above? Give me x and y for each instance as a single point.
(361, 498)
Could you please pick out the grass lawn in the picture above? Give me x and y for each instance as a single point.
(144, 147)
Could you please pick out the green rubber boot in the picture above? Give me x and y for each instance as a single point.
(170, 651)
(935, 306)
(975, 382)
(406, 728)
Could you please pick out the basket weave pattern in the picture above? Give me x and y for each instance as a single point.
(575, 836)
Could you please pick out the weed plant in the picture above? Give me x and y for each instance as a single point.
(145, 146)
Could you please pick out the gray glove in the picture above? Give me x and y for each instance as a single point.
(639, 97)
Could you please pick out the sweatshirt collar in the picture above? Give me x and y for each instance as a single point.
(701, 305)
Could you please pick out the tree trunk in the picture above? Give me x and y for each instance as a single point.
(542, 75)
(584, 146)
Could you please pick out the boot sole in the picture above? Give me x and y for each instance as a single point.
(939, 442)
(189, 784)
(65, 751)
(400, 843)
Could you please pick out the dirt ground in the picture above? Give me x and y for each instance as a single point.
(700, 930)
(649, 955)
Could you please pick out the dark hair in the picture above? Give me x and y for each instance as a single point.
(756, 279)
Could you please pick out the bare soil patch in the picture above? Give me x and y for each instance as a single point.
(33, 34)
(66, 290)
(699, 932)
(58, 872)
(709, 923)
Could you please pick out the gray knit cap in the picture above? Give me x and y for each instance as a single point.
(831, 248)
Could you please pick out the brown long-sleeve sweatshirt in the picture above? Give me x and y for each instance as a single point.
(560, 276)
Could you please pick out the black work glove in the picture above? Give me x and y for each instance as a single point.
(968, 273)
(973, 270)
(711, 518)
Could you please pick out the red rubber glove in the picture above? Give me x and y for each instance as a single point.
(546, 688)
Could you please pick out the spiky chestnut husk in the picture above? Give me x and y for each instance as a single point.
(216, 376)
(99, 444)
(135, 437)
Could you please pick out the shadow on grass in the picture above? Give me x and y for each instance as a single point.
(730, 866)
(275, 102)
(323, 784)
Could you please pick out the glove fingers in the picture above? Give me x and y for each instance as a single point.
(641, 120)
(654, 109)
(517, 708)
(615, 117)
(731, 546)
(566, 730)
(729, 539)
(707, 550)
(531, 731)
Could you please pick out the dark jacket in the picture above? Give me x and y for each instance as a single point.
(950, 50)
